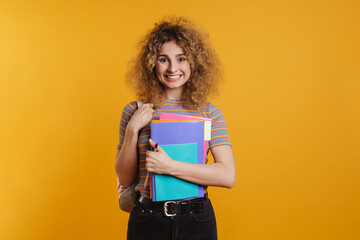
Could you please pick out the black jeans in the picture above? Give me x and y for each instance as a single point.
(147, 224)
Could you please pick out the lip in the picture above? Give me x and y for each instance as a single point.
(173, 79)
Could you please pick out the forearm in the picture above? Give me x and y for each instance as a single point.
(215, 174)
(222, 173)
(126, 165)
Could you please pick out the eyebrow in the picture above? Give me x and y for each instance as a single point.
(178, 55)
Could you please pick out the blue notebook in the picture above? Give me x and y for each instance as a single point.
(179, 132)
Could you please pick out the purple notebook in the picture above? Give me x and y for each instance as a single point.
(179, 132)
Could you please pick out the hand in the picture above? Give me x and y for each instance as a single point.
(142, 116)
(158, 162)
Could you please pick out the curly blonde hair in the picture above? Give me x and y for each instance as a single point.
(206, 71)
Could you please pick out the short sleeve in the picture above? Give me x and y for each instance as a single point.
(219, 131)
(126, 115)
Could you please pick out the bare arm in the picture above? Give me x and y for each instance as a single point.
(221, 173)
(126, 164)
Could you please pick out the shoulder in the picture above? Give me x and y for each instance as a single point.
(129, 109)
(131, 106)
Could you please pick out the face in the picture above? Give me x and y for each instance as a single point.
(172, 67)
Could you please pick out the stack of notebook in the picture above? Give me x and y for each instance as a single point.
(185, 139)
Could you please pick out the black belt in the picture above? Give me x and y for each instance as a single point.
(171, 208)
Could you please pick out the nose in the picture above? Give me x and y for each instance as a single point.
(172, 66)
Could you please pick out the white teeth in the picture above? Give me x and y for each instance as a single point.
(177, 76)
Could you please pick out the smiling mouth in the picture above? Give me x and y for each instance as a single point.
(173, 78)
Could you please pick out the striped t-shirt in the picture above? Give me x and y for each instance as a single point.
(219, 132)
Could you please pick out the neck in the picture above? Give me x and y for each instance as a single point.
(174, 94)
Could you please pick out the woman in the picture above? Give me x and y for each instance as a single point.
(175, 72)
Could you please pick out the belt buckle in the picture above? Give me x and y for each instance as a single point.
(166, 209)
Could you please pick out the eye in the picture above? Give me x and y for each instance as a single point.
(182, 59)
(162, 60)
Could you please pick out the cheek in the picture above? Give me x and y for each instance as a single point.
(188, 68)
(159, 70)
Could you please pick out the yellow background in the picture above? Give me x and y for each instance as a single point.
(291, 102)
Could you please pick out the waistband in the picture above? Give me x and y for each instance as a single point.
(172, 208)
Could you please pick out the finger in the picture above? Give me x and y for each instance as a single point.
(152, 143)
(149, 167)
(151, 155)
(147, 109)
(150, 158)
(148, 105)
(147, 159)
